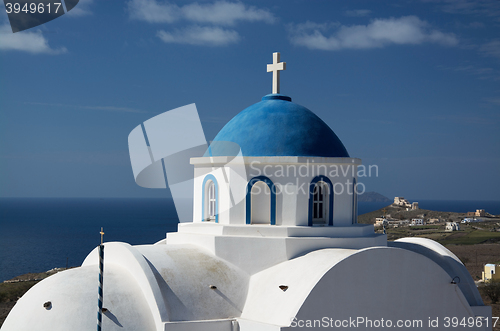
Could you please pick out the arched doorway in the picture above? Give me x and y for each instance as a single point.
(261, 204)
(261, 201)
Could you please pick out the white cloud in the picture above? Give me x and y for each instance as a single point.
(219, 12)
(378, 33)
(26, 41)
(357, 12)
(196, 35)
(153, 12)
(309, 26)
(491, 49)
(225, 13)
(81, 9)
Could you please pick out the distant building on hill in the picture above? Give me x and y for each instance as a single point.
(402, 202)
(477, 213)
(417, 221)
(379, 221)
(491, 272)
(452, 226)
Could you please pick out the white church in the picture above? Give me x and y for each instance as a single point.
(288, 255)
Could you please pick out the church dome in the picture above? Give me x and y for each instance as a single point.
(276, 126)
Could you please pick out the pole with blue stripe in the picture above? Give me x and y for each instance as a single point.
(101, 275)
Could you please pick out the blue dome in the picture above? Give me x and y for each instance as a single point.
(276, 126)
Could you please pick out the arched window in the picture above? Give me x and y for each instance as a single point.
(210, 208)
(211, 201)
(320, 201)
(261, 201)
(320, 206)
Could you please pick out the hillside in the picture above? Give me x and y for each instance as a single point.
(373, 197)
(401, 213)
(487, 231)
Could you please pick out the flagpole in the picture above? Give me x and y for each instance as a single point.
(101, 274)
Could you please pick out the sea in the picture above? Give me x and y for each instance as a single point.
(39, 234)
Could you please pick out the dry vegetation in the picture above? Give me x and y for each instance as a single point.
(475, 257)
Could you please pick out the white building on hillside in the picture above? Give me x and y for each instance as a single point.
(417, 221)
(289, 254)
(452, 226)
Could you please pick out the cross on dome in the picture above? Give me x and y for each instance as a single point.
(275, 67)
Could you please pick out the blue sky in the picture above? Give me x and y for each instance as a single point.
(410, 86)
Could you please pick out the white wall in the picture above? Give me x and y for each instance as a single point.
(73, 294)
(291, 177)
(378, 282)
